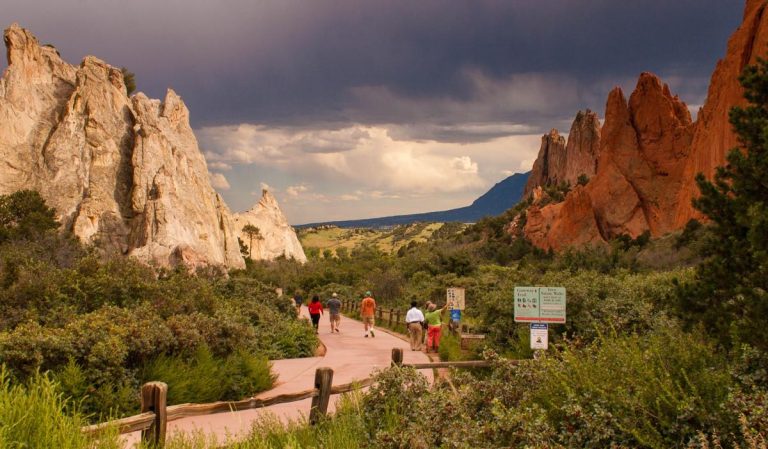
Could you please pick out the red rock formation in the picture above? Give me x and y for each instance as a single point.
(650, 153)
(713, 136)
(547, 167)
(558, 162)
(644, 143)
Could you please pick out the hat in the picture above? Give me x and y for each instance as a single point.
(368, 293)
(334, 295)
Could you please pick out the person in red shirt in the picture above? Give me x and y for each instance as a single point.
(367, 312)
(315, 310)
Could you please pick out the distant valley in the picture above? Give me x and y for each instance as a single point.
(502, 196)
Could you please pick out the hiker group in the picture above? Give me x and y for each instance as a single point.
(416, 321)
(315, 308)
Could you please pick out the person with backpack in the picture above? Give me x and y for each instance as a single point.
(315, 310)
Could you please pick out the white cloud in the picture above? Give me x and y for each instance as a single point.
(219, 181)
(218, 165)
(295, 191)
(265, 186)
(386, 175)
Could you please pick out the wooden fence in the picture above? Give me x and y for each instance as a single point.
(156, 414)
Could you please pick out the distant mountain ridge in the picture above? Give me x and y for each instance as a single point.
(495, 201)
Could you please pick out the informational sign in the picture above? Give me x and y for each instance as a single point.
(540, 305)
(455, 298)
(455, 315)
(539, 336)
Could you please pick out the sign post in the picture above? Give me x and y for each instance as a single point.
(455, 298)
(539, 306)
(539, 336)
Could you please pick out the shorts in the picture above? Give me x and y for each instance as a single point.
(335, 317)
(368, 320)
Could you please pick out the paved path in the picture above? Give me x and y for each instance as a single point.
(350, 355)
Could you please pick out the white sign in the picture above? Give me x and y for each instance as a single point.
(539, 336)
(455, 298)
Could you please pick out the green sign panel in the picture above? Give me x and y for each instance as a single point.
(540, 304)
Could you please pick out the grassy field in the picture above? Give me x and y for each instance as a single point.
(387, 240)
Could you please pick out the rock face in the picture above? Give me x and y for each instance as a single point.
(650, 152)
(277, 237)
(558, 162)
(548, 165)
(713, 136)
(125, 174)
(644, 145)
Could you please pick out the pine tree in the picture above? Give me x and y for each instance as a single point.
(253, 233)
(730, 292)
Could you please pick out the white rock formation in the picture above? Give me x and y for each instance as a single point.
(125, 174)
(277, 237)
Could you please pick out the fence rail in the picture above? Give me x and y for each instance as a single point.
(155, 416)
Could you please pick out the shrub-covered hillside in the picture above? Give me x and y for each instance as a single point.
(103, 327)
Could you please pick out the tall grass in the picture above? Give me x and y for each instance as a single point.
(206, 378)
(344, 430)
(33, 416)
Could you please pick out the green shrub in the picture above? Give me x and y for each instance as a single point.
(657, 391)
(207, 378)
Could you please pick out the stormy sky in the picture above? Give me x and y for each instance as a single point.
(356, 108)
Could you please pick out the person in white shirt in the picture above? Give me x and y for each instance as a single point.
(414, 319)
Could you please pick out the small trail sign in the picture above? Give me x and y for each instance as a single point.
(540, 305)
(455, 298)
(539, 335)
(455, 315)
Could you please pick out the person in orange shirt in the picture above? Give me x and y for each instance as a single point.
(367, 312)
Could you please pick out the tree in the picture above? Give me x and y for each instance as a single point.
(253, 233)
(730, 292)
(25, 216)
(129, 78)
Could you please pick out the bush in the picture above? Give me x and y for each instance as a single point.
(206, 378)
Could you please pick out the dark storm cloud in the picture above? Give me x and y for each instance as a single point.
(311, 63)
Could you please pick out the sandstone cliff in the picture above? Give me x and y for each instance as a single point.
(558, 162)
(125, 174)
(277, 237)
(644, 143)
(713, 136)
(650, 152)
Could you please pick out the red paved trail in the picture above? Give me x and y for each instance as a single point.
(350, 355)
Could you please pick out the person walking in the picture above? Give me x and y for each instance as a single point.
(367, 312)
(414, 319)
(297, 299)
(315, 310)
(434, 326)
(334, 311)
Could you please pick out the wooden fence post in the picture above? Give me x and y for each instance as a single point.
(391, 313)
(323, 383)
(154, 396)
(397, 318)
(397, 356)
